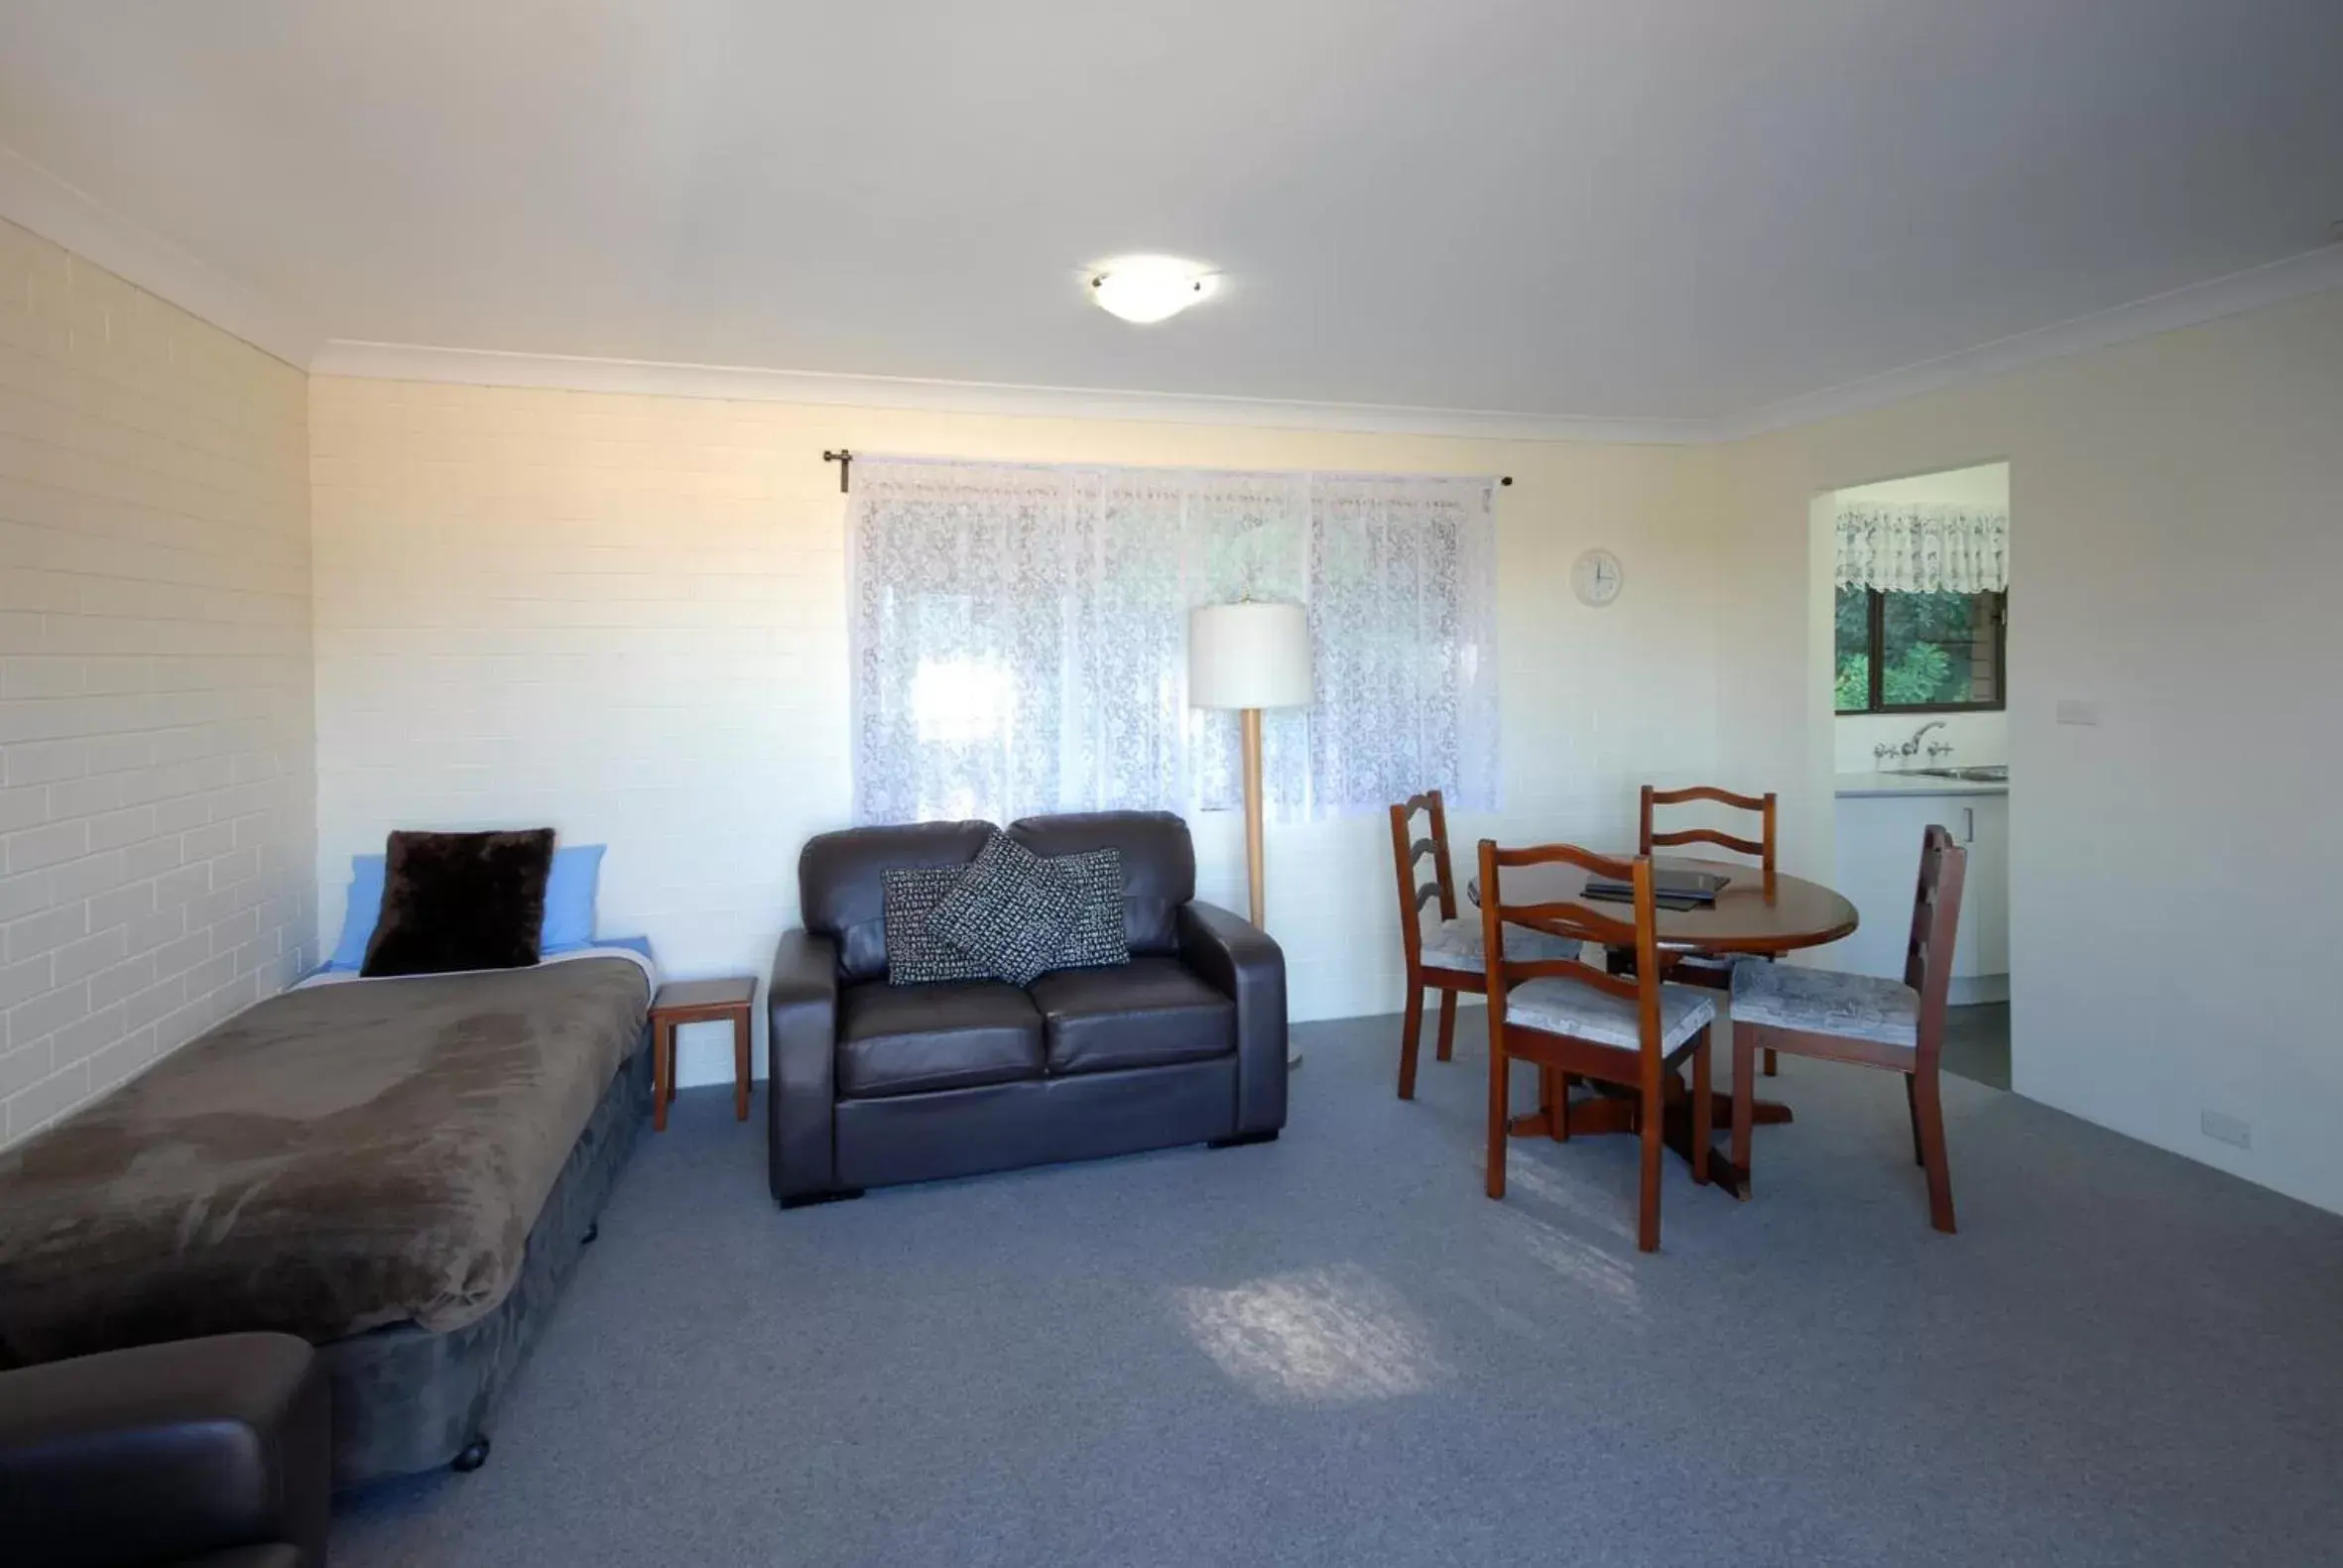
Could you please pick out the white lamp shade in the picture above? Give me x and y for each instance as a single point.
(1249, 656)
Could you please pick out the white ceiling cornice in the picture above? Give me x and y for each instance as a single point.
(40, 201)
(2310, 272)
(491, 368)
(34, 199)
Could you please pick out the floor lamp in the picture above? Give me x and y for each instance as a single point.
(1250, 656)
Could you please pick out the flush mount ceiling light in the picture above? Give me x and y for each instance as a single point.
(1147, 289)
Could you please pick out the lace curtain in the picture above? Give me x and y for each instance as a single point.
(1019, 637)
(1923, 549)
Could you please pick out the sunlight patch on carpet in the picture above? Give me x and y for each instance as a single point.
(1320, 1336)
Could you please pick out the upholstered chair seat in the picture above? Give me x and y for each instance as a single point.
(1824, 1002)
(1564, 1007)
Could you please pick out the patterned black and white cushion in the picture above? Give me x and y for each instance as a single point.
(915, 957)
(1564, 1007)
(1010, 912)
(1825, 1002)
(1096, 939)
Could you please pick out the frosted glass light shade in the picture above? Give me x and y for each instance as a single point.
(1249, 656)
(1150, 289)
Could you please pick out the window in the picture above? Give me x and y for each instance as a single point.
(1900, 652)
(1019, 637)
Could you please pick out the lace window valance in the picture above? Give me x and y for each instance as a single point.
(1923, 549)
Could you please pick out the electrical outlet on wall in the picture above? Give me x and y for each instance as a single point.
(2223, 1127)
(2077, 710)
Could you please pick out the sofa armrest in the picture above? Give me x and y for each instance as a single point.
(802, 1003)
(167, 1451)
(1237, 958)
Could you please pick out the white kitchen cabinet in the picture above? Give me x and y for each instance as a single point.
(1879, 856)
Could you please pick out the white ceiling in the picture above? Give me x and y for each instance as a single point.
(1663, 210)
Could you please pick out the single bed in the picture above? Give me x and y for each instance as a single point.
(401, 1172)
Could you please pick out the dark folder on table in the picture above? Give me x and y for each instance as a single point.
(1671, 889)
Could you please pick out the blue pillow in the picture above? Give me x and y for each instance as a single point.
(568, 904)
(569, 900)
(366, 910)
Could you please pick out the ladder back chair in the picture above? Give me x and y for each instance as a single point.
(1572, 1020)
(1706, 968)
(1448, 957)
(1866, 1020)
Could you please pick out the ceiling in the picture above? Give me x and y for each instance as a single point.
(1664, 210)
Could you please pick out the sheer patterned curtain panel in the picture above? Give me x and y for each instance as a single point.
(1019, 637)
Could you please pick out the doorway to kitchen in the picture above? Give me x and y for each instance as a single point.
(1919, 678)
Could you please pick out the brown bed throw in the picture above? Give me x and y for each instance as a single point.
(328, 1162)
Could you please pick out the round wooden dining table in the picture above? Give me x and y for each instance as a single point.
(1754, 913)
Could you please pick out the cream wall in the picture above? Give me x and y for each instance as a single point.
(2178, 507)
(625, 616)
(1975, 738)
(156, 789)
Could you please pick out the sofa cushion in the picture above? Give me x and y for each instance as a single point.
(905, 1039)
(1096, 939)
(916, 954)
(1159, 865)
(1147, 1013)
(1009, 911)
(841, 886)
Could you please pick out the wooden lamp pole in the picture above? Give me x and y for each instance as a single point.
(1250, 656)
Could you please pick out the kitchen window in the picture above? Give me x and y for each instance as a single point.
(1902, 652)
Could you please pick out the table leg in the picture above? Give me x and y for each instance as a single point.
(663, 1074)
(740, 1066)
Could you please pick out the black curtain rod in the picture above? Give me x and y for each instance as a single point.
(845, 459)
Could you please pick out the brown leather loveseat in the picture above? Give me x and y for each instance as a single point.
(874, 1083)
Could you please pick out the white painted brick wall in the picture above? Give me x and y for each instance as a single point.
(157, 718)
(624, 617)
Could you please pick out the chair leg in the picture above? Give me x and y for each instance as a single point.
(1744, 1094)
(1564, 1083)
(1934, 1157)
(1410, 1026)
(1651, 1117)
(1703, 1111)
(1773, 1062)
(1447, 1024)
(1912, 1103)
(1498, 1105)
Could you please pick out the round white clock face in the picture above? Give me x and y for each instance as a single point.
(1596, 577)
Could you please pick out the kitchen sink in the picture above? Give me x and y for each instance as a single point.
(1998, 774)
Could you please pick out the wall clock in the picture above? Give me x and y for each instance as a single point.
(1596, 578)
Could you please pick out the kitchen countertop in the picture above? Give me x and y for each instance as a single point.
(1866, 785)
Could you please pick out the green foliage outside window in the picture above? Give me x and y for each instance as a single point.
(1935, 649)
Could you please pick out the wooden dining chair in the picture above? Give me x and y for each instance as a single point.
(1867, 1019)
(1443, 954)
(1713, 970)
(1575, 1020)
(1447, 958)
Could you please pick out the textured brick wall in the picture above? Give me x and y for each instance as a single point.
(157, 718)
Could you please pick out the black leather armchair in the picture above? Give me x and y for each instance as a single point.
(207, 1451)
(873, 1084)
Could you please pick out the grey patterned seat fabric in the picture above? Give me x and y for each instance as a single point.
(1564, 1007)
(1825, 1002)
(1456, 944)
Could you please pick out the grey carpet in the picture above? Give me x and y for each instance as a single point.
(1977, 1042)
(1333, 1350)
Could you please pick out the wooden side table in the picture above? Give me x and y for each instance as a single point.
(699, 1002)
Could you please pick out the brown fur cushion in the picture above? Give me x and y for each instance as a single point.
(461, 901)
